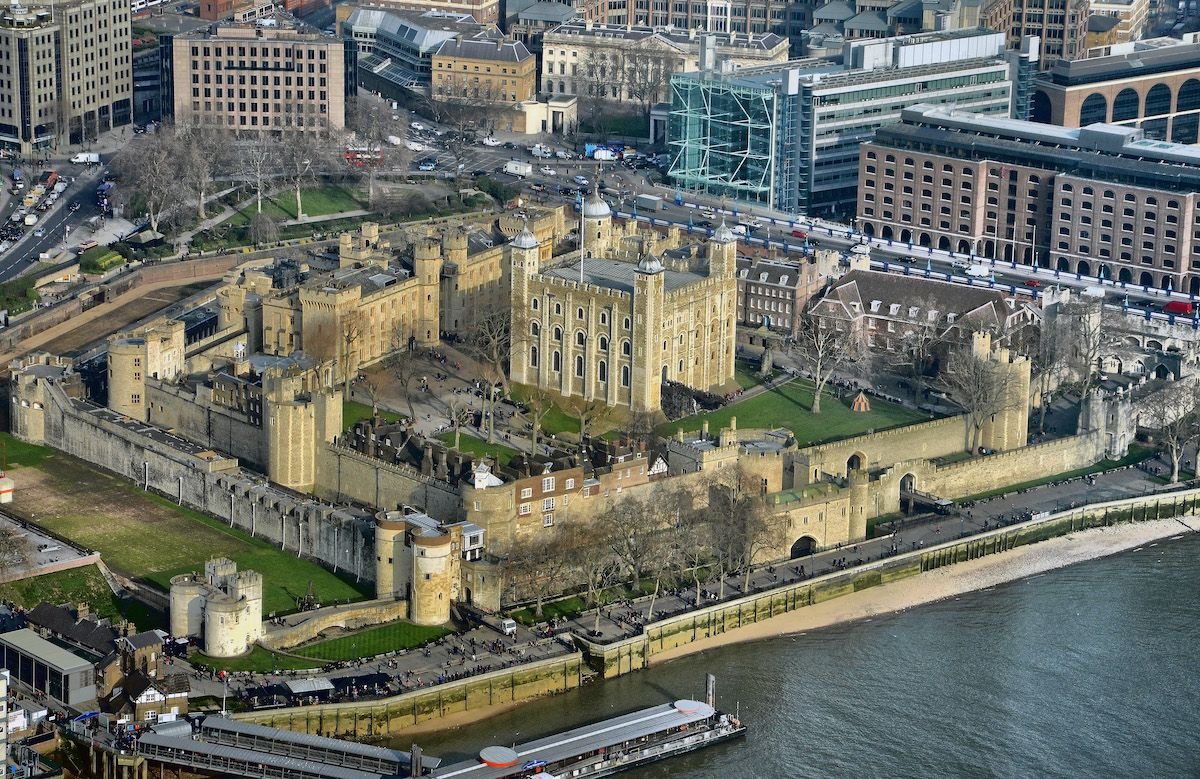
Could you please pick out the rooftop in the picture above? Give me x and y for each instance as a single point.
(51, 654)
(616, 275)
(677, 36)
(494, 51)
(1154, 55)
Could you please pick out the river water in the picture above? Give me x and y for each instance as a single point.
(1086, 671)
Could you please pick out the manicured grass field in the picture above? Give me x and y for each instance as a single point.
(556, 420)
(318, 201)
(472, 445)
(789, 405)
(371, 642)
(353, 412)
(258, 660)
(80, 585)
(567, 608)
(17, 452)
(146, 536)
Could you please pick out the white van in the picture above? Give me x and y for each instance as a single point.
(508, 627)
(979, 271)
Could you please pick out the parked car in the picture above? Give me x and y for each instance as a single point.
(427, 166)
(546, 170)
(581, 181)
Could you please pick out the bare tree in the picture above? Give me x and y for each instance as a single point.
(534, 567)
(372, 125)
(592, 559)
(741, 530)
(647, 77)
(403, 362)
(1173, 412)
(981, 386)
(1049, 351)
(256, 163)
(1086, 317)
(588, 413)
(263, 229)
(150, 177)
(203, 156)
(351, 327)
(491, 346)
(628, 526)
(824, 348)
(920, 341)
(301, 161)
(692, 535)
(640, 428)
(539, 402)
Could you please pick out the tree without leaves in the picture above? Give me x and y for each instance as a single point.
(920, 340)
(204, 156)
(691, 532)
(1049, 352)
(823, 349)
(588, 413)
(256, 162)
(491, 346)
(534, 567)
(351, 328)
(263, 229)
(647, 77)
(1086, 318)
(981, 386)
(1172, 411)
(539, 403)
(741, 529)
(403, 363)
(590, 555)
(150, 177)
(302, 159)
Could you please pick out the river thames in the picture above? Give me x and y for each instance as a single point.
(1090, 670)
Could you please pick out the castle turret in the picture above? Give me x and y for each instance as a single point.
(389, 550)
(427, 268)
(859, 500)
(722, 252)
(648, 375)
(456, 245)
(529, 352)
(597, 226)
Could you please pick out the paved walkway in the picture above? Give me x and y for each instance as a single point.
(625, 619)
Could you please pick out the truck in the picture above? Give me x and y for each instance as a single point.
(604, 155)
(1179, 308)
(518, 169)
(48, 178)
(18, 179)
(541, 151)
(86, 158)
(649, 202)
(979, 271)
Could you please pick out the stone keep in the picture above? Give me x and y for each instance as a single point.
(224, 607)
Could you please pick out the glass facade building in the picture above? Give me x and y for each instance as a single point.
(787, 137)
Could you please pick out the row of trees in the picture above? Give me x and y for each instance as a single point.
(685, 534)
(171, 175)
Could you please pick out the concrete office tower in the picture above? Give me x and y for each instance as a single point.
(67, 77)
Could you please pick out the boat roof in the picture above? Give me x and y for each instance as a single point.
(589, 738)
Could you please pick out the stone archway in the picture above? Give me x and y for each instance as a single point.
(1125, 276)
(1041, 108)
(906, 235)
(856, 462)
(804, 546)
(908, 483)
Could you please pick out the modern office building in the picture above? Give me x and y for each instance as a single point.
(47, 668)
(1101, 200)
(396, 48)
(482, 11)
(277, 77)
(1060, 25)
(67, 75)
(633, 65)
(787, 137)
(1153, 84)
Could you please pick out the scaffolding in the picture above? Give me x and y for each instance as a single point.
(723, 138)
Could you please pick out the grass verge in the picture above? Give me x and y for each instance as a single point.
(372, 641)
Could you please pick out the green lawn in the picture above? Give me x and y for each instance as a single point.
(354, 412)
(745, 375)
(81, 585)
(789, 405)
(258, 660)
(567, 608)
(17, 452)
(471, 445)
(556, 420)
(372, 641)
(318, 201)
(145, 536)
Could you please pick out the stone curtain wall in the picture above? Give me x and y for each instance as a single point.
(927, 440)
(390, 716)
(971, 477)
(353, 617)
(218, 487)
(344, 474)
(636, 653)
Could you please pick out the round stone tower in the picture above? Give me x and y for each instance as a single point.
(187, 605)
(389, 550)
(429, 602)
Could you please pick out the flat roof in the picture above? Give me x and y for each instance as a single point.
(179, 747)
(1146, 59)
(53, 655)
(617, 275)
(628, 727)
(226, 725)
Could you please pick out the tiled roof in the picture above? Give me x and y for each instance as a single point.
(62, 622)
(496, 51)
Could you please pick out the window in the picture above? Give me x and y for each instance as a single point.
(548, 484)
(548, 504)
(535, 329)
(624, 375)
(570, 485)
(526, 493)
(547, 520)
(580, 338)
(524, 510)
(533, 357)
(558, 334)
(602, 343)
(579, 313)
(579, 365)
